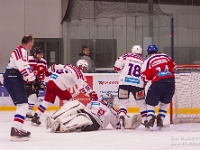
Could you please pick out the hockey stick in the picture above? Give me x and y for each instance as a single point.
(122, 123)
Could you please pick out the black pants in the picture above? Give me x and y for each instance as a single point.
(14, 84)
(161, 91)
(95, 126)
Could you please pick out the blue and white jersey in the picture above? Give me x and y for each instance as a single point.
(129, 67)
(103, 114)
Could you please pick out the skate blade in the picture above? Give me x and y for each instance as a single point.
(19, 139)
(35, 124)
(155, 128)
(28, 119)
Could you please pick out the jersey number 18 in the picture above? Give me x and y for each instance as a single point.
(134, 70)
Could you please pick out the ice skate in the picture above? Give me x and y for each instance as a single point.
(122, 122)
(19, 135)
(151, 122)
(29, 116)
(146, 124)
(36, 120)
(159, 122)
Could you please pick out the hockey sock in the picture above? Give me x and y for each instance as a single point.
(19, 116)
(143, 109)
(122, 111)
(150, 111)
(42, 108)
(123, 107)
(163, 110)
(31, 102)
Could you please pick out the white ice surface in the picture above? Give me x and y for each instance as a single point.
(174, 137)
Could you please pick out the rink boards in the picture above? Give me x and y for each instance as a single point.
(99, 82)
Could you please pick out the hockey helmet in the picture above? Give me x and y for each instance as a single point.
(152, 49)
(136, 49)
(37, 50)
(82, 62)
(108, 99)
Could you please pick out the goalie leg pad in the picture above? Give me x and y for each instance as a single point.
(68, 109)
(133, 122)
(72, 123)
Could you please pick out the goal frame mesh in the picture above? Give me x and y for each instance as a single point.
(174, 112)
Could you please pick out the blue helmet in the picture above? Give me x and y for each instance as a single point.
(152, 48)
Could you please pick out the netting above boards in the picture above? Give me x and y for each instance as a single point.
(90, 9)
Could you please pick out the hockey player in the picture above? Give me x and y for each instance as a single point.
(97, 115)
(63, 78)
(17, 72)
(130, 81)
(159, 68)
(39, 67)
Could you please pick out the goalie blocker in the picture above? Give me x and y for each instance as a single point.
(74, 117)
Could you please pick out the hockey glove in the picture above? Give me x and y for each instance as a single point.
(93, 96)
(42, 86)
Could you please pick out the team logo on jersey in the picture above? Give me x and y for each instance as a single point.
(164, 73)
(132, 80)
(95, 103)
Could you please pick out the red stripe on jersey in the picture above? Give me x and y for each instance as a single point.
(20, 51)
(137, 57)
(22, 70)
(16, 55)
(78, 73)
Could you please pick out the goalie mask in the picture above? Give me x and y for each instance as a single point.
(108, 99)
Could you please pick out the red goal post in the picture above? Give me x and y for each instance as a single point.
(185, 105)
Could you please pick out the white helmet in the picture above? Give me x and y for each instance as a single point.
(136, 49)
(82, 62)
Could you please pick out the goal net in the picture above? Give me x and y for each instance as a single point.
(185, 105)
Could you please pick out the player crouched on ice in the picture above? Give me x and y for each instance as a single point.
(97, 115)
(63, 78)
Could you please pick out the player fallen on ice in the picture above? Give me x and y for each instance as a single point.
(63, 78)
(97, 115)
(159, 69)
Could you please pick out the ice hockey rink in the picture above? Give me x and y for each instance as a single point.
(171, 137)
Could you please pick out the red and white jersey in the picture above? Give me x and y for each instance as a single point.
(158, 67)
(103, 114)
(39, 67)
(129, 66)
(19, 61)
(68, 76)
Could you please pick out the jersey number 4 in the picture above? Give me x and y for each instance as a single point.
(134, 70)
